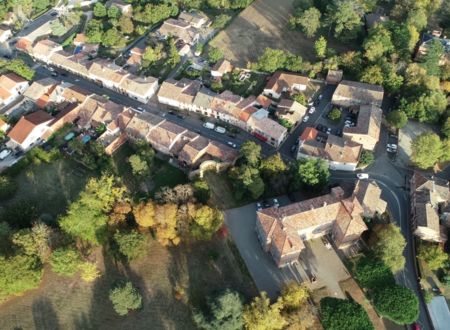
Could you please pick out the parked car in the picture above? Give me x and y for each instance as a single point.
(324, 129)
(54, 74)
(179, 115)
(312, 109)
(276, 203)
(209, 125)
(293, 148)
(339, 132)
(393, 136)
(320, 96)
(391, 150)
(328, 130)
(319, 127)
(140, 109)
(231, 144)
(258, 206)
(392, 146)
(5, 153)
(266, 203)
(220, 129)
(305, 119)
(171, 112)
(54, 13)
(362, 176)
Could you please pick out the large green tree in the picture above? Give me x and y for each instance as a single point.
(426, 150)
(397, 303)
(309, 21)
(251, 152)
(225, 312)
(338, 314)
(397, 118)
(206, 222)
(432, 58)
(345, 16)
(377, 43)
(312, 172)
(86, 218)
(389, 244)
(433, 255)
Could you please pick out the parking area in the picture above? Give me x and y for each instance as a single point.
(319, 266)
(326, 125)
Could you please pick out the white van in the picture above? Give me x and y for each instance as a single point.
(362, 176)
(209, 125)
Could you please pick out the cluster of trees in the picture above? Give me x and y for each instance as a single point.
(17, 66)
(433, 255)
(109, 27)
(227, 311)
(26, 8)
(166, 52)
(392, 301)
(254, 175)
(428, 149)
(275, 59)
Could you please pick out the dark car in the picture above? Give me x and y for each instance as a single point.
(231, 135)
(171, 112)
(64, 74)
(319, 127)
(339, 132)
(54, 13)
(293, 148)
(7, 56)
(266, 203)
(180, 116)
(54, 74)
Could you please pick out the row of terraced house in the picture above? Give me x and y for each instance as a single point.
(103, 72)
(72, 104)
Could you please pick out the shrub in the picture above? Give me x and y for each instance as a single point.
(397, 118)
(124, 298)
(294, 295)
(367, 158)
(335, 114)
(201, 191)
(18, 274)
(65, 261)
(131, 244)
(8, 187)
(433, 255)
(89, 271)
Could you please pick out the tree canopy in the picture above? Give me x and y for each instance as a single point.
(338, 314)
(225, 312)
(261, 315)
(131, 244)
(312, 172)
(124, 298)
(433, 255)
(397, 118)
(427, 149)
(389, 245)
(397, 303)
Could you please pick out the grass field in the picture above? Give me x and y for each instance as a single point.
(261, 25)
(51, 186)
(69, 303)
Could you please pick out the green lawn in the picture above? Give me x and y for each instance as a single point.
(167, 175)
(50, 186)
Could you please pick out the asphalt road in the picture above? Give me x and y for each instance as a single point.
(33, 25)
(399, 205)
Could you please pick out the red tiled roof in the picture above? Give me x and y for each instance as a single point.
(310, 133)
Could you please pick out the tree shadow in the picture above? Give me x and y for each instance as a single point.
(44, 315)
(156, 311)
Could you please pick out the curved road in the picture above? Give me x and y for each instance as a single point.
(397, 198)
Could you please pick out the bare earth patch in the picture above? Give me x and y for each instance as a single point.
(265, 24)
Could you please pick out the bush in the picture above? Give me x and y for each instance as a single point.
(397, 303)
(8, 187)
(18, 274)
(339, 314)
(124, 298)
(89, 271)
(294, 295)
(397, 118)
(131, 244)
(367, 158)
(285, 123)
(65, 261)
(335, 114)
(433, 255)
(201, 191)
